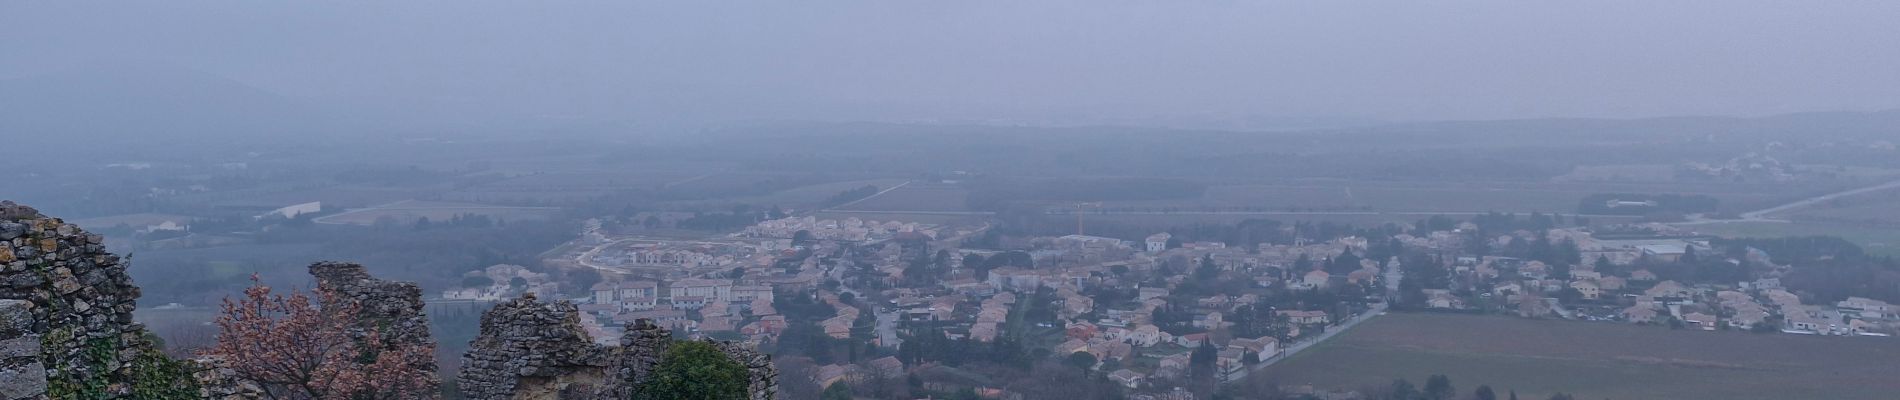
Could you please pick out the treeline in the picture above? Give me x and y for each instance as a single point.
(1600, 204)
(1826, 268)
(1440, 387)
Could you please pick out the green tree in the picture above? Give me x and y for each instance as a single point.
(1484, 392)
(583, 279)
(695, 370)
(1207, 271)
(1201, 361)
(837, 391)
(1438, 387)
(1080, 360)
(1403, 390)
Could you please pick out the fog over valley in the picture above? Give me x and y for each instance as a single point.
(1014, 200)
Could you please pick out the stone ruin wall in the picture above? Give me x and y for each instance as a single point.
(528, 349)
(392, 308)
(66, 328)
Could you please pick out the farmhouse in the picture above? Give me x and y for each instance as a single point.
(1868, 308)
(1705, 321)
(1127, 378)
(1640, 314)
(1314, 280)
(1588, 288)
(1305, 317)
(1265, 346)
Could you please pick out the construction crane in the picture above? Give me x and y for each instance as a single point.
(1079, 211)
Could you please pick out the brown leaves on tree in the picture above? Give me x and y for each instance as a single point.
(297, 349)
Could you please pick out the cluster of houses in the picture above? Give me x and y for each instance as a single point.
(848, 229)
(688, 305)
(504, 281)
(1068, 266)
(1531, 287)
(686, 254)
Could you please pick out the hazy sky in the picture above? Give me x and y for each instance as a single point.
(1015, 60)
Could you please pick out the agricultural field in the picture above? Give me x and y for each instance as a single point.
(1620, 173)
(1878, 208)
(1251, 196)
(915, 197)
(134, 221)
(1875, 240)
(565, 188)
(947, 218)
(344, 196)
(1162, 221)
(801, 197)
(1595, 360)
(410, 211)
(1453, 196)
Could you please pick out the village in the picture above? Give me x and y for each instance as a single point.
(1140, 311)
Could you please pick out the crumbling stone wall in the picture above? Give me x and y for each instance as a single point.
(392, 309)
(66, 327)
(528, 349)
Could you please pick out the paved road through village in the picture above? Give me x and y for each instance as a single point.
(1392, 275)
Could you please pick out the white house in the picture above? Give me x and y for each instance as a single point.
(1158, 242)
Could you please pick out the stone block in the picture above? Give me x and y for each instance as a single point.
(23, 346)
(24, 382)
(16, 318)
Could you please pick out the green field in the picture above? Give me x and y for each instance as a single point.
(1876, 240)
(939, 219)
(1454, 196)
(1595, 360)
(805, 196)
(916, 197)
(1878, 208)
